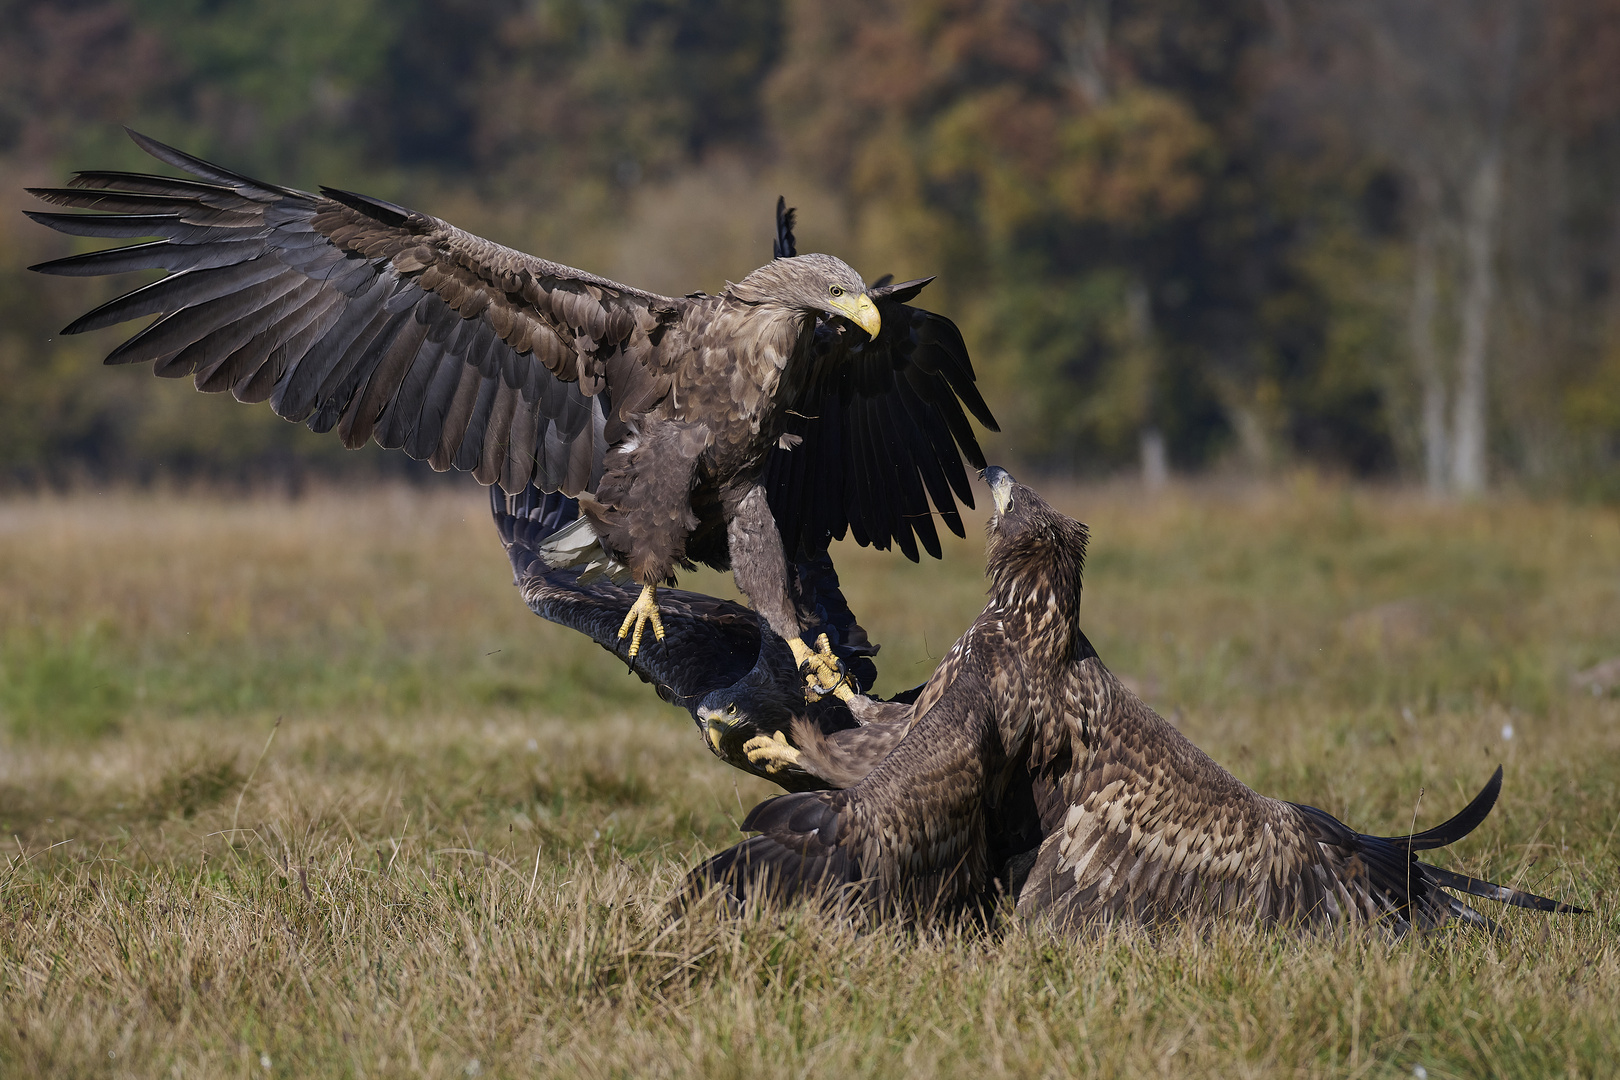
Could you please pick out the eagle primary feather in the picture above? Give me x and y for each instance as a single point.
(1027, 769)
(667, 416)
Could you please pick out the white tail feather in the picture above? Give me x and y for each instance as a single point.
(576, 544)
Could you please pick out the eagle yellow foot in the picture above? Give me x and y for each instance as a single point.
(771, 753)
(823, 673)
(642, 612)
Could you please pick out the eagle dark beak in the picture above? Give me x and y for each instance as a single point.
(861, 311)
(1001, 485)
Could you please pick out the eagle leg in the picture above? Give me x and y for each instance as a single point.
(824, 673)
(643, 611)
(771, 753)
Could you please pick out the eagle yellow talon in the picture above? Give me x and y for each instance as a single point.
(823, 674)
(770, 752)
(642, 612)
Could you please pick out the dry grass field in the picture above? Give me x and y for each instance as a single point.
(300, 788)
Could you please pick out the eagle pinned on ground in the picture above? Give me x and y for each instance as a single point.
(736, 678)
(677, 422)
(1027, 770)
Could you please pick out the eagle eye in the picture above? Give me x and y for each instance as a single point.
(837, 290)
(731, 710)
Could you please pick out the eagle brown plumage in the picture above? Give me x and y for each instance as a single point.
(665, 416)
(1027, 769)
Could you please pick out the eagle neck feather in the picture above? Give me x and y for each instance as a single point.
(1036, 577)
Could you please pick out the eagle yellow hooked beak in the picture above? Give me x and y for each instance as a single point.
(861, 311)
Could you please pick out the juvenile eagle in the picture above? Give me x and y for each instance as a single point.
(738, 679)
(666, 416)
(1027, 767)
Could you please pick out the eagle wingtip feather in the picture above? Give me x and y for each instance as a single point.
(378, 209)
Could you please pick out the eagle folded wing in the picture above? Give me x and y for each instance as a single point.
(350, 312)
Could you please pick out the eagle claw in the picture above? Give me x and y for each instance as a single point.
(643, 611)
(823, 672)
(771, 753)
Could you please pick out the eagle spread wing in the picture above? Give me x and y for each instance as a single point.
(939, 825)
(350, 312)
(1029, 770)
(1154, 828)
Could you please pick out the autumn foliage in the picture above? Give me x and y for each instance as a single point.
(1373, 237)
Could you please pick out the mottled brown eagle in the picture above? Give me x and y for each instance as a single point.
(678, 422)
(1027, 769)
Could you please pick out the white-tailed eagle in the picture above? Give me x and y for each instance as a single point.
(678, 422)
(1025, 769)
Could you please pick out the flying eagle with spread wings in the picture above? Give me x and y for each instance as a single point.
(1025, 769)
(677, 422)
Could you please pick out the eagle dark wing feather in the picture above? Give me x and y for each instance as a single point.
(708, 642)
(798, 851)
(348, 311)
(883, 435)
(1461, 824)
(785, 246)
(909, 836)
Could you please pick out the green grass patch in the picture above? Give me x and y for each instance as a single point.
(51, 687)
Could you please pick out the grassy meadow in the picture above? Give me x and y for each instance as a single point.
(300, 788)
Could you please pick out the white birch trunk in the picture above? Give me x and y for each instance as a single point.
(1155, 460)
(1150, 440)
(1426, 358)
(1474, 317)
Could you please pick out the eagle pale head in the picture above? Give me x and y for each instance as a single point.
(818, 284)
(1035, 556)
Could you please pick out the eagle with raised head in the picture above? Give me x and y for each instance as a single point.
(667, 417)
(1026, 769)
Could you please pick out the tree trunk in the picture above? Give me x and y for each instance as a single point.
(1084, 41)
(1150, 440)
(1426, 358)
(1155, 460)
(1474, 315)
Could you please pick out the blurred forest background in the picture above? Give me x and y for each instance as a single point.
(1376, 237)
